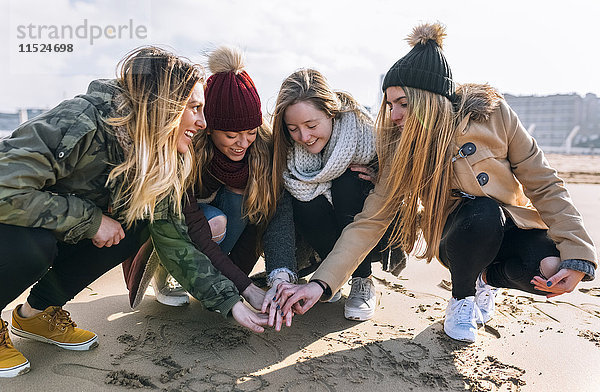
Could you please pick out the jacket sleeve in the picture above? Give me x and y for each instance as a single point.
(34, 158)
(201, 236)
(279, 240)
(190, 267)
(546, 191)
(356, 241)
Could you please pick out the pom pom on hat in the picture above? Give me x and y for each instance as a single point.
(232, 102)
(226, 59)
(427, 32)
(425, 66)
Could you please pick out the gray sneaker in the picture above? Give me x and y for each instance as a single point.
(362, 301)
(167, 290)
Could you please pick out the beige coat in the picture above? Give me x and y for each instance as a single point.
(511, 169)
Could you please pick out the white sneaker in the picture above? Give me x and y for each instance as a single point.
(461, 319)
(362, 301)
(485, 297)
(167, 290)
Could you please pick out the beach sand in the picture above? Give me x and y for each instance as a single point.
(532, 344)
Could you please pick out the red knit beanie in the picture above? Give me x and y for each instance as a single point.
(232, 102)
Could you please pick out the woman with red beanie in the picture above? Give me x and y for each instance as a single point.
(232, 200)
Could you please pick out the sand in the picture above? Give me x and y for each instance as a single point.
(532, 344)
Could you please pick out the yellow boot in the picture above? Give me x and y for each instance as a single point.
(12, 362)
(54, 326)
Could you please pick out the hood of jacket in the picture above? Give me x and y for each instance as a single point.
(478, 100)
(106, 96)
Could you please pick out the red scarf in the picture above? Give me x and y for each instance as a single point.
(223, 170)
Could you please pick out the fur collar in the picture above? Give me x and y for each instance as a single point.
(478, 99)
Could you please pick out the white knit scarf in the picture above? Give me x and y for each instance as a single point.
(309, 175)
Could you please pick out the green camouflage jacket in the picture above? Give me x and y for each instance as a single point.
(53, 171)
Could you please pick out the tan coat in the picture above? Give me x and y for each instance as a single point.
(511, 169)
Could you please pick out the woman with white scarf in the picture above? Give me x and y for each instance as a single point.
(324, 149)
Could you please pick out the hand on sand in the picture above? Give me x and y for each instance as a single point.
(254, 295)
(109, 233)
(276, 317)
(298, 297)
(564, 281)
(249, 319)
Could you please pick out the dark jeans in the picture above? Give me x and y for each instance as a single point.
(30, 255)
(479, 236)
(321, 223)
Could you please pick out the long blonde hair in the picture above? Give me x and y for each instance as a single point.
(259, 200)
(155, 87)
(305, 85)
(417, 163)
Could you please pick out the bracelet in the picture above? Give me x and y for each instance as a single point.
(320, 283)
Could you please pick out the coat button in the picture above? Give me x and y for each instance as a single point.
(61, 154)
(468, 149)
(483, 178)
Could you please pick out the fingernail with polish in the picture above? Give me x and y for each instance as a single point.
(282, 314)
(277, 307)
(548, 283)
(274, 298)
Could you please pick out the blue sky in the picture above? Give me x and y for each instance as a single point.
(520, 47)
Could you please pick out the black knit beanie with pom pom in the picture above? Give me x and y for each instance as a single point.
(425, 66)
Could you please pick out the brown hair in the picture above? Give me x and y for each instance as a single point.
(259, 201)
(304, 85)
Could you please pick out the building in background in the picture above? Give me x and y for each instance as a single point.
(561, 121)
(565, 123)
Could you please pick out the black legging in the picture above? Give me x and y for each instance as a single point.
(30, 255)
(478, 235)
(321, 224)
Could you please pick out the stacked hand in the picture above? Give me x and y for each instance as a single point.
(248, 318)
(298, 298)
(277, 305)
(276, 316)
(254, 295)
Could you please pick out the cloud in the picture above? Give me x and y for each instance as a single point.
(523, 47)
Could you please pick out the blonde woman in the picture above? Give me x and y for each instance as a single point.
(459, 168)
(231, 201)
(80, 185)
(324, 146)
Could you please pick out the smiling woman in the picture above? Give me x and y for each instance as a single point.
(308, 126)
(232, 179)
(191, 119)
(324, 151)
(84, 184)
